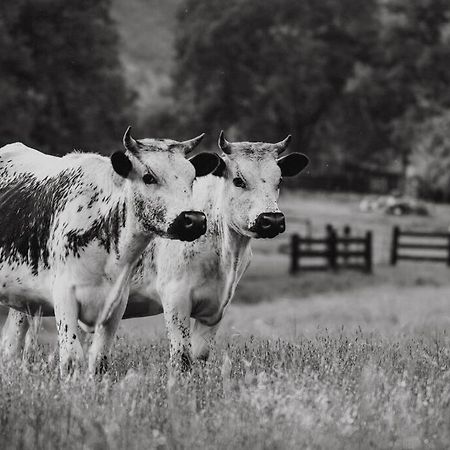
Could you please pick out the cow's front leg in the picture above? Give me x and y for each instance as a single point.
(66, 315)
(31, 339)
(203, 337)
(104, 338)
(177, 319)
(14, 333)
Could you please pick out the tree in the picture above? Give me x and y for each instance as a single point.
(351, 80)
(431, 156)
(401, 83)
(61, 81)
(409, 73)
(264, 69)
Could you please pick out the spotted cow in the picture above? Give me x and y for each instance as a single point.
(198, 279)
(72, 229)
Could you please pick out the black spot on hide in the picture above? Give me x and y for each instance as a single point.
(28, 207)
(106, 230)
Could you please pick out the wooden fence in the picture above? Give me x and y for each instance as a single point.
(426, 246)
(336, 251)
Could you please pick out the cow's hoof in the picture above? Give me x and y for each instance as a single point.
(185, 362)
(102, 366)
(203, 358)
(70, 369)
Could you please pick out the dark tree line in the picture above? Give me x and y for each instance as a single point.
(267, 68)
(61, 83)
(351, 80)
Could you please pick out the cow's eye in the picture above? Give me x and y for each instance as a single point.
(239, 182)
(148, 178)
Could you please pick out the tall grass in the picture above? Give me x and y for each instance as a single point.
(332, 391)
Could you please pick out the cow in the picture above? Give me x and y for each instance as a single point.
(198, 279)
(73, 228)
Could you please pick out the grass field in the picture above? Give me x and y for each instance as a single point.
(314, 361)
(350, 390)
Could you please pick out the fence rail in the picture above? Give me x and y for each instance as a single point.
(398, 244)
(335, 251)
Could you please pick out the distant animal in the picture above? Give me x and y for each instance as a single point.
(73, 228)
(198, 279)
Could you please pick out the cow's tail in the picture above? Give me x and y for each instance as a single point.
(117, 295)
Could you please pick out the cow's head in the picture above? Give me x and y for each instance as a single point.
(159, 179)
(253, 172)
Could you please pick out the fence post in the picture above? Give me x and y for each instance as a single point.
(448, 250)
(347, 233)
(295, 254)
(394, 245)
(368, 252)
(331, 247)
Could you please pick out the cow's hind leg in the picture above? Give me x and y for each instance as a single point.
(203, 337)
(14, 333)
(66, 315)
(104, 338)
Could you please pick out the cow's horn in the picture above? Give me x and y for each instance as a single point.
(281, 146)
(224, 145)
(129, 143)
(189, 145)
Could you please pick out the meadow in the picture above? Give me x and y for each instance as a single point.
(320, 360)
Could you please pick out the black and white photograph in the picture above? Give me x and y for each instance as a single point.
(224, 224)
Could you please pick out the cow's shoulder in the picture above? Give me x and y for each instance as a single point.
(98, 208)
(96, 171)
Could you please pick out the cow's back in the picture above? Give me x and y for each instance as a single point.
(19, 158)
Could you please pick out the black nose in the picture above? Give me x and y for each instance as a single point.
(269, 225)
(188, 226)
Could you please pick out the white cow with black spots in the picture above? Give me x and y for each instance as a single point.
(199, 279)
(73, 228)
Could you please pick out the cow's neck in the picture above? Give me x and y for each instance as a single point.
(125, 229)
(235, 248)
(133, 241)
(232, 244)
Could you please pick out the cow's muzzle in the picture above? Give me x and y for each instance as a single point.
(269, 225)
(188, 226)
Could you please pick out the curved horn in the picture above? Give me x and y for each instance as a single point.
(189, 145)
(281, 146)
(224, 145)
(128, 142)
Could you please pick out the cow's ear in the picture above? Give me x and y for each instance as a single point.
(220, 170)
(121, 164)
(204, 163)
(292, 164)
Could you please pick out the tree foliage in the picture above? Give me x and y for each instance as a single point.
(350, 80)
(267, 68)
(431, 156)
(61, 84)
(412, 68)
